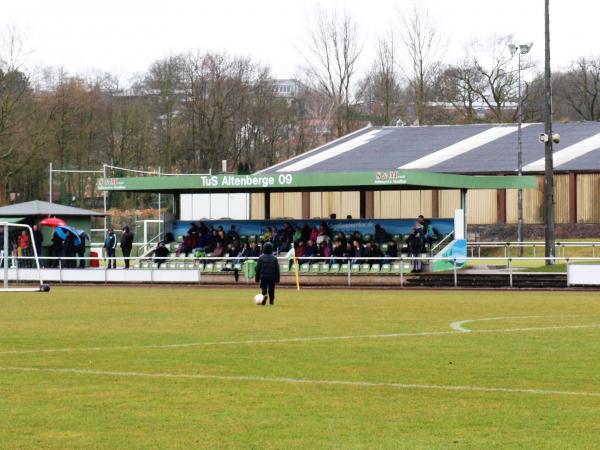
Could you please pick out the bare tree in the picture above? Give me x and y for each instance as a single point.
(458, 85)
(496, 77)
(579, 88)
(380, 91)
(331, 58)
(420, 40)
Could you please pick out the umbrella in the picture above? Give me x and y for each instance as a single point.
(53, 222)
(82, 234)
(62, 233)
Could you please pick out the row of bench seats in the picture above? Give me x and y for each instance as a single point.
(323, 268)
(181, 265)
(395, 267)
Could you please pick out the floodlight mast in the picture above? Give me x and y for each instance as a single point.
(520, 49)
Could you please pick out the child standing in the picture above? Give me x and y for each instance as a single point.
(267, 273)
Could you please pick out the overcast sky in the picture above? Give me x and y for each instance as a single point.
(125, 36)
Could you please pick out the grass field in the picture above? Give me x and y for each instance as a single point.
(101, 367)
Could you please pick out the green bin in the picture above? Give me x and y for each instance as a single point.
(250, 269)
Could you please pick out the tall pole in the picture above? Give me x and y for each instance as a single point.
(549, 169)
(5, 259)
(159, 205)
(520, 162)
(50, 184)
(104, 194)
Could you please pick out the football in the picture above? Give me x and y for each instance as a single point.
(258, 298)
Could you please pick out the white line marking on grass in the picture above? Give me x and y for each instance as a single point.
(458, 326)
(369, 384)
(244, 342)
(300, 339)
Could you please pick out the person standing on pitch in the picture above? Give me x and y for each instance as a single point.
(267, 273)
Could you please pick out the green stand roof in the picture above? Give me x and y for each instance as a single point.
(345, 181)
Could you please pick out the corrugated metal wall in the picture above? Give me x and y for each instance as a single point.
(257, 206)
(533, 202)
(482, 205)
(449, 200)
(561, 198)
(402, 204)
(322, 204)
(288, 204)
(588, 198)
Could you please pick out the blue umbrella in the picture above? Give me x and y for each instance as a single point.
(82, 234)
(62, 233)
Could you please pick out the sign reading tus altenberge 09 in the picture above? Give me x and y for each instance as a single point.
(247, 180)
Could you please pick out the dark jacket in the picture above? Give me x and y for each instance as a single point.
(267, 267)
(69, 245)
(38, 238)
(127, 239)
(110, 242)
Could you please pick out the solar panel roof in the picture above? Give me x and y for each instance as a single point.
(468, 149)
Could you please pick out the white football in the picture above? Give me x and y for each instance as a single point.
(258, 299)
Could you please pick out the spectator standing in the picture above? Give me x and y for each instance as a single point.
(415, 247)
(56, 249)
(69, 248)
(110, 244)
(267, 273)
(23, 247)
(38, 238)
(126, 244)
(80, 249)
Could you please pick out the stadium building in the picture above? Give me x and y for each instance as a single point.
(464, 149)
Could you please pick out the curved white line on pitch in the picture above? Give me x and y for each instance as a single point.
(293, 340)
(458, 326)
(367, 384)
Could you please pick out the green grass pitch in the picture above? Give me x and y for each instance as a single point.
(170, 367)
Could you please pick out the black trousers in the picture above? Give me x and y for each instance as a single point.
(126, 254)
(270, 287)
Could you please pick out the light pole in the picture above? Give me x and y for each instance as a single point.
(521, 49)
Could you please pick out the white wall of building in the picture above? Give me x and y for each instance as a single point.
(214, 206)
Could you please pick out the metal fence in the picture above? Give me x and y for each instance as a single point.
(399, 272)
(511, 247)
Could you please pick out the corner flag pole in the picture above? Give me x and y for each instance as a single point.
(292, 254)
(296, 272)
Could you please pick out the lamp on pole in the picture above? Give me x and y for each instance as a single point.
(521, 49)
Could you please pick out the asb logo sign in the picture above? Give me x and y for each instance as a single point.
(389, 177)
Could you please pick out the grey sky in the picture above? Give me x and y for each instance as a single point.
(124, 37)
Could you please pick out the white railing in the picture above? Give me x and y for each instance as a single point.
(193, 269)
(475, 247)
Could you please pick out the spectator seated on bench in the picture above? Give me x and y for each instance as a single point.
(161, 253)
